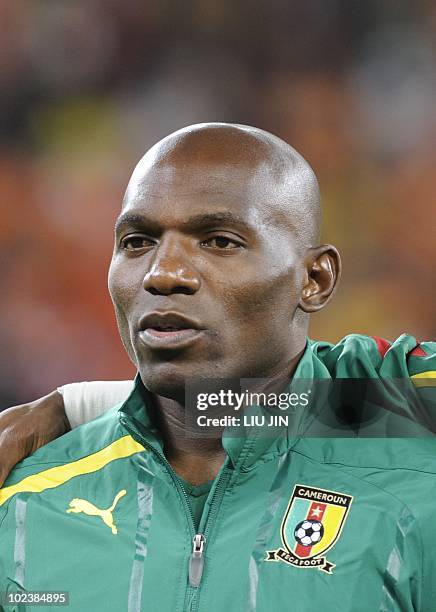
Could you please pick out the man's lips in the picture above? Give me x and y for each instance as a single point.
(168, 330)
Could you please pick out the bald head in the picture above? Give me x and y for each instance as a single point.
(285, 183)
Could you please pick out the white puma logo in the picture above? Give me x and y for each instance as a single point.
(81, 505)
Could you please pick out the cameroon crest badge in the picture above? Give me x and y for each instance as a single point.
(312, 523)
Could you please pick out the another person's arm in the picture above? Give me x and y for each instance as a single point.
(84, 401)
(25, 428)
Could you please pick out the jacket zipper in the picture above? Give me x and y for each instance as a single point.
(196, 560)
(200, 540)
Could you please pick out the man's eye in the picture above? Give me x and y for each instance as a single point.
(134, 243)
(222, 243)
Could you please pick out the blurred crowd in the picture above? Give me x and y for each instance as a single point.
(87, 87)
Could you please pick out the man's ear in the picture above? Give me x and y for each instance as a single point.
(322, 273)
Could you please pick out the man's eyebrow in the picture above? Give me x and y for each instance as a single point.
(132, 219)
(193, 223)
(204, 220)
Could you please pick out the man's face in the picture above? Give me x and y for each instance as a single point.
(206, 274)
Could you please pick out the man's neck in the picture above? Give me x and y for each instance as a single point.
(196, 459)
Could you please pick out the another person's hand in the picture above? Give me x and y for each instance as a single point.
(25, 428)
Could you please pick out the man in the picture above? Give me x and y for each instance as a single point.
(215, 271)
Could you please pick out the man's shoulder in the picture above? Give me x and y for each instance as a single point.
(84, 450)
(358, 355)
(397, 468)
(412, 454)
(403, 468)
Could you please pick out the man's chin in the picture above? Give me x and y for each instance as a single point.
(179, 381)
(166, 381)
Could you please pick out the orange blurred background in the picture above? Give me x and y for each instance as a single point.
(86, 88)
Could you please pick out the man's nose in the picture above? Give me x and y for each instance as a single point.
(171, 272)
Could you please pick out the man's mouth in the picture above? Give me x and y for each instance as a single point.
(168, 330)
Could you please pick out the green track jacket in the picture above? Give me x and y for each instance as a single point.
(314, 517)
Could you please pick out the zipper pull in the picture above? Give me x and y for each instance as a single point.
(196, 561)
